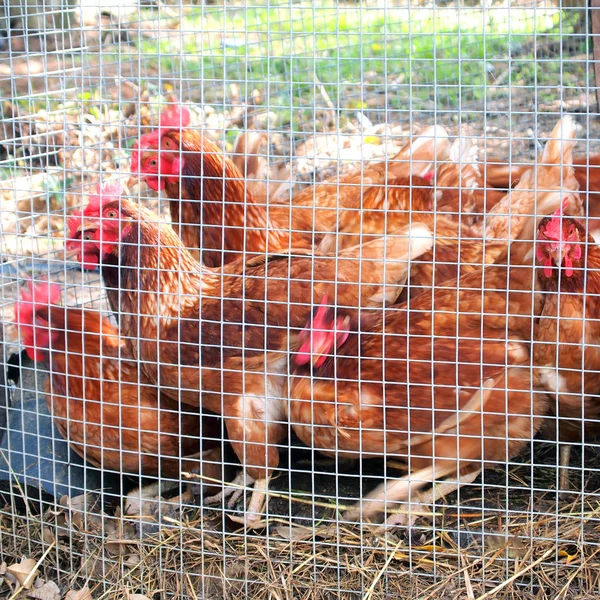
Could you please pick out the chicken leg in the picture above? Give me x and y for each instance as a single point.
(438, 491)
(232, 491)
(395, 491)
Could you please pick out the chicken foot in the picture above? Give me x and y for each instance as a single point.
(395, 491)
(438, 491)
(234, 491)
(253, 515)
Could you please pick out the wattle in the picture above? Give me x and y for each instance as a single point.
(568, 266)
(156, 184)
(90, 260)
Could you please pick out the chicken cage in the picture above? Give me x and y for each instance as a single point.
(345, 347)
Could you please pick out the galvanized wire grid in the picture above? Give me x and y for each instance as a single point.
(332, 87)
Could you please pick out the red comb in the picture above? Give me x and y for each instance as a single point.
(147, 140)
(428, 177)
(43, 292)
(322, 310)
(33, 297)
(553, 229)
(104, 193)
(72, 225)
(38, 294)
(175, 116)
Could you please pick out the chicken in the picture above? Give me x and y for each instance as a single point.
(446, 392)
(211, 205)
(462, 191)
(190, 329)
(213, 208)
(587, 173)
(538, 192)
(325, 200)
(459, 249)
(110, 413)
(566, 336)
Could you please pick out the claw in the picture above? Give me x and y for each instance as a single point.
(253, 515)
(235, 489)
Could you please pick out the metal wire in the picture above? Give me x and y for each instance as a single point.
(322, 90)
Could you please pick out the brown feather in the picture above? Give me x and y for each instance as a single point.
(566, 335)
(211, 336)
(213, 208)
(109, 412)
(403, 373)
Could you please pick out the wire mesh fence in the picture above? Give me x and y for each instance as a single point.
(299, 300)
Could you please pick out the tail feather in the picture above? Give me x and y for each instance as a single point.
(246, 155)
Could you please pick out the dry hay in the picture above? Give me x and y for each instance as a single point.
(528, 546)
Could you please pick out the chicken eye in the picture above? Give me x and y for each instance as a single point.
(88, 236)
(153, 162)
(168, 144)
(112, 214)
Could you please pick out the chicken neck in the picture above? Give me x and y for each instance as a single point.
(212, 207)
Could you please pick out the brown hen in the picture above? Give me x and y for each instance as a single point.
(587, 173)
(213, 207)
(459, 249)
(445, 386)
(220, 337)
(111, 414)
(566, 336)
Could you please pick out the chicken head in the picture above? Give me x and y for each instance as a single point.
(149, 162)
(29, 316)
(558, 242)
(321, 335)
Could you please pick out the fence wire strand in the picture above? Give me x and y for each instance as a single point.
(364, 326)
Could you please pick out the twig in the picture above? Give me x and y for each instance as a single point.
(517, 575)
(33, 571)
(327, 99)
(382, 571)
(463, 560)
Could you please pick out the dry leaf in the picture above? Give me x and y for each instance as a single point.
(48, 535)
(137, 597)
(132, 561)
(45, 590)
(83, 594)
(294, 532)
(24, 572)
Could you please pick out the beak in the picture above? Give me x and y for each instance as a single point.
(69, 255)
(87, 226)
(133, 181)
(559, 253)
(73, 253)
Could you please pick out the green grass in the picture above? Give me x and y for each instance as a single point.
(419, 56)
